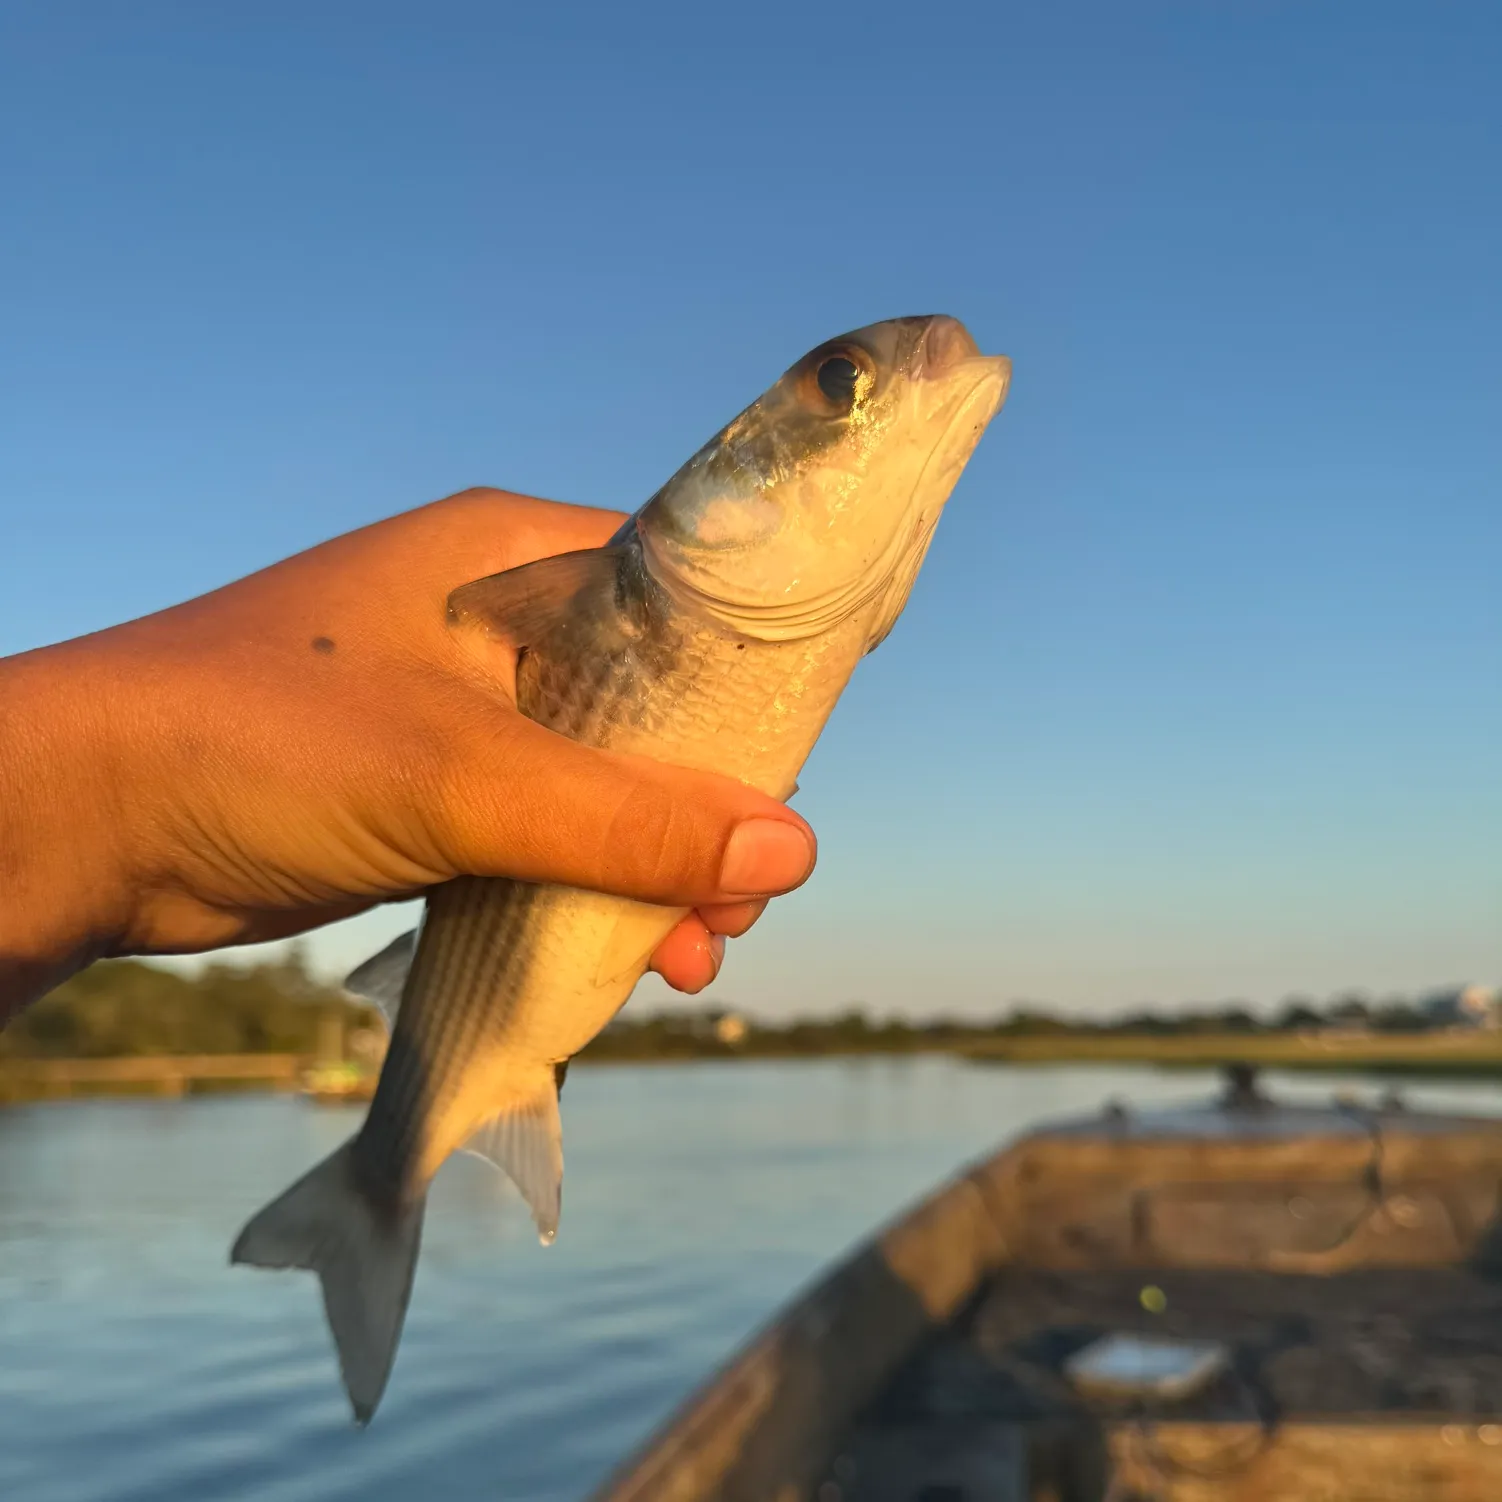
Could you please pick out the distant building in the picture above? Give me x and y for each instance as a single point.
(1346, 1027)
(730, 1029)
(367, 1045)
(1470, 1007)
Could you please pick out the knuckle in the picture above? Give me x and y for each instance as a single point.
(652, 841)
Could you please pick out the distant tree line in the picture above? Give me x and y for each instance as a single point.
(125, 1007)
(690, 1034)
(1396, 1014)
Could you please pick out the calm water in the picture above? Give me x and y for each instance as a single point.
(135, 1364)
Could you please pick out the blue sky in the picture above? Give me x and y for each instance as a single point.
(1200, 694)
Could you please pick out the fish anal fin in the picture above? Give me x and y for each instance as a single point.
(525, 1142)
(524, 604)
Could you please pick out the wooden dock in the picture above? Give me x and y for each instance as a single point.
(171, 1075)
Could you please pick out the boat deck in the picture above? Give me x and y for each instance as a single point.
(1369, 1349)
(1389, 1340)
(1340, 1268)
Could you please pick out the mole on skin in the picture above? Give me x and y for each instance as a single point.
(323, 644)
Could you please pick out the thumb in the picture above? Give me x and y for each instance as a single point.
(522, 801)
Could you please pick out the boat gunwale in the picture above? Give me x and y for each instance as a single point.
(921, 1266)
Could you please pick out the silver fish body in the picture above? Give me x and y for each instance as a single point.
(716, 632)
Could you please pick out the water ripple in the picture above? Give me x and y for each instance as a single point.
(138, 1367)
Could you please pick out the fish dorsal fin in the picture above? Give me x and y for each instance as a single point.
(383, 977)
(525, 1142)
(525, 604)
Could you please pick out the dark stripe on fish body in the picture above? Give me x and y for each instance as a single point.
(588, 678)
(475, 932)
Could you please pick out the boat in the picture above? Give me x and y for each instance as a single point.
(338, 1084)
(1241, 1298)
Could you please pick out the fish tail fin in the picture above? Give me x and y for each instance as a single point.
(364, 1255)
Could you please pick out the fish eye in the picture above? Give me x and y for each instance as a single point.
(838, 377)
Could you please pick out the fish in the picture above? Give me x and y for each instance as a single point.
(716, 631)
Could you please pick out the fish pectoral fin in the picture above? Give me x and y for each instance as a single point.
(383, 977)
(524, 604)
(526, 1143)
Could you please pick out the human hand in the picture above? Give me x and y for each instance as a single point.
(311, 740)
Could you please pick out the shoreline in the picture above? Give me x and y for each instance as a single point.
(1455, 1054)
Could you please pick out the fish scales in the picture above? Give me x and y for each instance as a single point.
(716, 632)
(478, 928)
(523, 960)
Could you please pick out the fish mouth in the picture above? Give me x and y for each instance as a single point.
(978, 384)
(979, 401)
(945, 343)
(947, 347)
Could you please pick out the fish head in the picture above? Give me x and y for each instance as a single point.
(818, 502)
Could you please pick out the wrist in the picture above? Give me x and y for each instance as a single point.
(64, 898)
